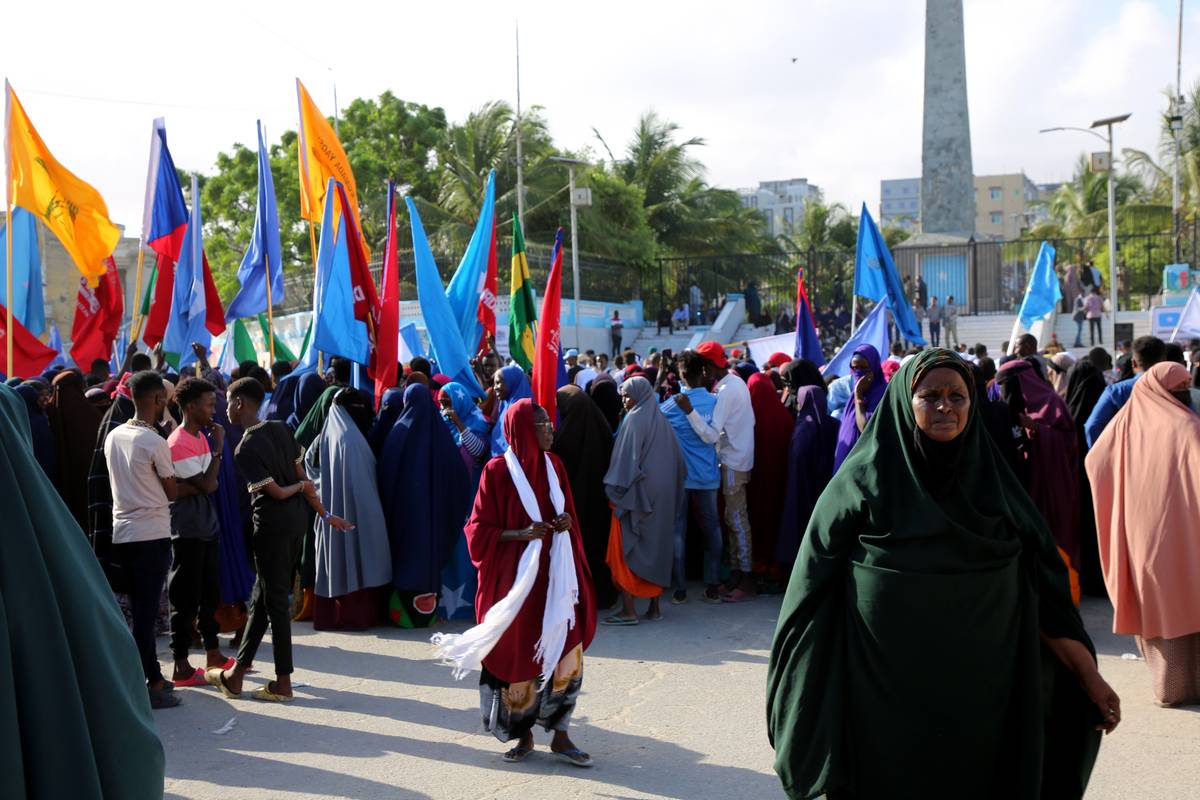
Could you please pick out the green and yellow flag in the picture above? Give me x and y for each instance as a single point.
(522, 315)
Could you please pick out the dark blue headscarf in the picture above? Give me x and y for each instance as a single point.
(280, 403)
(423, 483)
(309, 389)
(39, 427)
(518, 388)
(390, 406)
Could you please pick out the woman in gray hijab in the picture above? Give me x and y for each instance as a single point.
(351, 565)
(644, 482)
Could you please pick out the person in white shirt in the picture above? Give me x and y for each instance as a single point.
(142, 477)
(732, 431)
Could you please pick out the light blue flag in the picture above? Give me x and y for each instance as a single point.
(445, 339)
(1043, 292)
(27, 307)
(467, 283)
(337, 332)
(264, 249)
(120, 344)
(410, 343)
(186, 324)
(56, 344)
(876, 273)
(872, 331)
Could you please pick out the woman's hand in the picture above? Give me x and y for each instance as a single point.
(862, 387)
(1100, 693)
(561, 523)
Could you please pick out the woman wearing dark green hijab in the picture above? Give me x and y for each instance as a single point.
(67, 727)
(928, 645)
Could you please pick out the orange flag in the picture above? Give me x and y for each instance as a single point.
(72, 209)
(322, 158)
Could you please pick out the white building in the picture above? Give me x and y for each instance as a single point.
(781, 203)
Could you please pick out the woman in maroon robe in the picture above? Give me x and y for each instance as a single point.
(512, 695)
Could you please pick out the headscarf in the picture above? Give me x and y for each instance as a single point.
(796, 374)
(745, 370)
(607, 398)
(469, 413)
(1058, 377)
(764, 496)
(848, 432)
(584, 442)
(809, 468)
(312, 422)
(390, 406)
(644, 478)
(60, 615)
(1053, 453)
(975, 555)
(439, 381)
(426, 497)
(308, 390)
(44, 447)
(517, 384)
(75, 423)
(343, 467)
(1085, 385)
(1149, 539)
(889, 368)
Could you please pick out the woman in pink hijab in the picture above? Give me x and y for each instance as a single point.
(1143, 470)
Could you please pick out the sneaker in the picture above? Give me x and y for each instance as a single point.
(712, 595)
(160, 700)
(679, 597)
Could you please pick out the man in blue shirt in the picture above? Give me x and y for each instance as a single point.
(1147, 351)
(703, 480)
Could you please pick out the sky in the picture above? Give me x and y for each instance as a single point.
(826, 90)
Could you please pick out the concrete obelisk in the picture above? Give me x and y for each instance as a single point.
(947, 181)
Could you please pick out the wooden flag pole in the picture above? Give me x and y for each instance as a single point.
(136, 327)
(270, 310)
(8, 288)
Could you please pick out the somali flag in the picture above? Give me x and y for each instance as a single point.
(467, 284)
(1043, 292)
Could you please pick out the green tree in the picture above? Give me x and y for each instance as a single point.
(1158, 176)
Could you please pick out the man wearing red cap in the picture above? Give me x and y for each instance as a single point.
(732, 431)
(777, 360)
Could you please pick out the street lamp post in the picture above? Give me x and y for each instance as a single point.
(571, 164)
(1106, 123)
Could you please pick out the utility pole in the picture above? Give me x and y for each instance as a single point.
(1176, 127)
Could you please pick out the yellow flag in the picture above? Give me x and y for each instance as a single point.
(322, 158)
(72, 209)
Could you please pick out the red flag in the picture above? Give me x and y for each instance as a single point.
(486, 313)
(547, 360)
(30, 356)
(383, 357)
(98, 314)
(366, 299)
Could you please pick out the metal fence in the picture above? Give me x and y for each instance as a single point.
(600, 278)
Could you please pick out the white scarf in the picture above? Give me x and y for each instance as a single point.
(464, 652)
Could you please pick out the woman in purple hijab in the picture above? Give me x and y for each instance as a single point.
(810, 466)
(866, 390)
(1052, 450)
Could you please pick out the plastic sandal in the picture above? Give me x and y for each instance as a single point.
(216, 677)
(198, 678)
(618, 620)
(574, 756)
(266, 695)
(517, 754)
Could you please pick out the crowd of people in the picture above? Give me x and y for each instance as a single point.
(933, 515)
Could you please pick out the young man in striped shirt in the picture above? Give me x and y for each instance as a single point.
(193, 586)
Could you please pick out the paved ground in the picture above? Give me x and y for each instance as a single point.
(669, 709)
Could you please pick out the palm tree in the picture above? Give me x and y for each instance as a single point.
(1158, 175)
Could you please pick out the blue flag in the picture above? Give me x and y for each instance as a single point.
(808, 344)
(120, 344)
(876, 277)
(467, 283)
(264, 249)
(445, 339)
(872, 331)
(336, 331)
(27, 307)
(56, 344)
(1043, 292)
(410, 343)
(186, 323)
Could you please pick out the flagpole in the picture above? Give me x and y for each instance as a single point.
(270, 311)
(520, 160)
(8, 286)
(137, 293)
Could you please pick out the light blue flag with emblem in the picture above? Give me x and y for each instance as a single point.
(1043, 292)
(872, 331)
(876, 278)
(336, 331)
(27, 306)
(188, 320)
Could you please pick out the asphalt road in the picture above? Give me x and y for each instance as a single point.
(669, 709)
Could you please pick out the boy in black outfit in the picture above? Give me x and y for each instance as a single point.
(271, 462)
